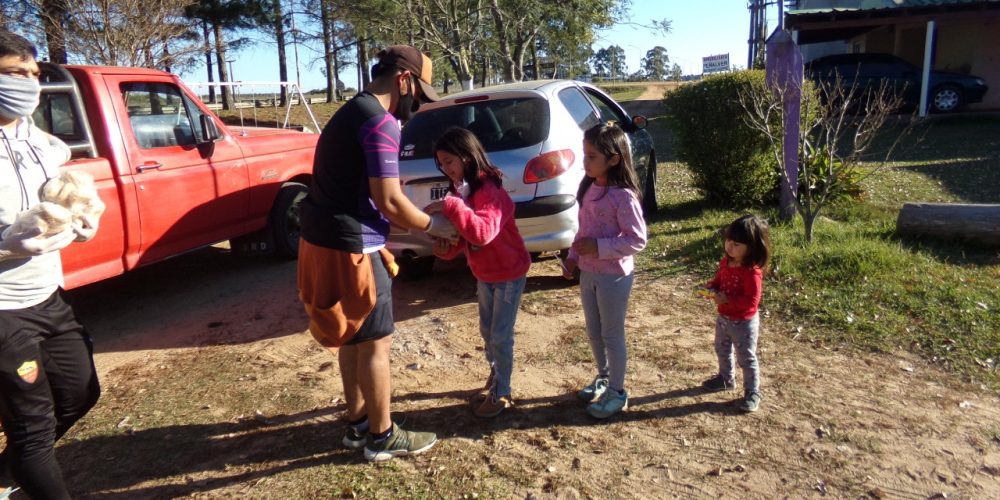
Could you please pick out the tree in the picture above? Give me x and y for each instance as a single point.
(655, 63)
(271, 19)
(676, 73)
(150, 34)
(838, 131)
(216, 18)
(610, 62)
(54, 21)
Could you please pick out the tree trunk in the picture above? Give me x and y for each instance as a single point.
(363, 64)
(976, 223)
(328, 53)
(220, 56)
(166, 57)
(279, 32)
(53, 21)
(462, 71)
(808, 221)
(208, 60)
(509, 69)
(534, 62)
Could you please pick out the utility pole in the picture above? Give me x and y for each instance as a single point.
(295, 46)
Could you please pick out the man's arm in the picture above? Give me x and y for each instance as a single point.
(395, 206)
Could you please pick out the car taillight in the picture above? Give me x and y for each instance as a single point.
(547, 166)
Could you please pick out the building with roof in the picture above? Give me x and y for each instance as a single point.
(961, 36)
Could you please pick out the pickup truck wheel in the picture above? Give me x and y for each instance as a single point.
(649, 206)
(285, 220)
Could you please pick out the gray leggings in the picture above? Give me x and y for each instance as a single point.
(739, 336)
(605, 302)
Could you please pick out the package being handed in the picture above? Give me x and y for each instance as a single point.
(76, 192)
(49, 218)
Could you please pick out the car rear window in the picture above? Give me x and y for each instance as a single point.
(500, 124)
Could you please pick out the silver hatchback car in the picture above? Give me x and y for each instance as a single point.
(532, 131)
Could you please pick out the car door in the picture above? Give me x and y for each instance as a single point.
(639, 140)
(189, 194)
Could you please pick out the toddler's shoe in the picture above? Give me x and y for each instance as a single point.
(7, 492)
(610, 403)
(718, 384)
(493, 405)
(400, 444)
(750, 402)
(593, 391)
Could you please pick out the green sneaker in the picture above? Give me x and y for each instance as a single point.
(355, 439)
(608, 404)
(400, 444)
(593, 391)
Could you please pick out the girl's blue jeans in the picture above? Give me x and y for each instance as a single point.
(498, 304)
(739, 336)
(605, 302)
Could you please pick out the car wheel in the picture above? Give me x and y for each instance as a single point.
(946, 98)
(413, 268)
(284, 220)
(649, 205)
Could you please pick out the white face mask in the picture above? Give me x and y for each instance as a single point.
(463, 189)
(18, 96)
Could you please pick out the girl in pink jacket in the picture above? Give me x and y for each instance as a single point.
(611, 232)
(483, 215)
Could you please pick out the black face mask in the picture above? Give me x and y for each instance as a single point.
(407, 105)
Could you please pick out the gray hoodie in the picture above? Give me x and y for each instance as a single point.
(28, 157)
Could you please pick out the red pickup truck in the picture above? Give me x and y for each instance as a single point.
(173, 176)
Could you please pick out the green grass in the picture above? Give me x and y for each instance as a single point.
(624, 93)
(859, 283)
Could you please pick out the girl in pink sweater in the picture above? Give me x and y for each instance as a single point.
(611, 232)
(483, 215)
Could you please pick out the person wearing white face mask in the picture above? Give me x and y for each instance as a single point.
(47, 375)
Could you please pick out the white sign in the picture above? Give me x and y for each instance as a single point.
(715, 64)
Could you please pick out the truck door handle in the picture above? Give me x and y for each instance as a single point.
(148, 166)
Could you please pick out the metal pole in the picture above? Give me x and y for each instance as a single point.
(928, 61)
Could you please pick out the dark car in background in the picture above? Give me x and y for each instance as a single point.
(948, 91)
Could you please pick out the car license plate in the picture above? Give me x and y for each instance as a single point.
(439, 192)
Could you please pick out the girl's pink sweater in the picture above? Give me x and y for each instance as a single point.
(489, 236)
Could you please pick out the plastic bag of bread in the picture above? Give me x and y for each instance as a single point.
(76, 192)
(49, 218)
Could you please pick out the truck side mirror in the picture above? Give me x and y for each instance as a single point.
(209, 132)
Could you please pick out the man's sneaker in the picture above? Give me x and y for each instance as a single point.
(493, 406)
(717, 384)
(484, 393)
(750, 402)
(400, 444)
(610, 402)
(355, 439)
(593, 391)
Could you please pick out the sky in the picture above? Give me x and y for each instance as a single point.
(700, 28)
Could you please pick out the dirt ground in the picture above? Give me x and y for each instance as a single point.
(213, 389)
(833, 421)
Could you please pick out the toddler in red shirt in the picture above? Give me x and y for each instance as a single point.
(736, 290)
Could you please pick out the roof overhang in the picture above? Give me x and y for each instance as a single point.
(824, 25)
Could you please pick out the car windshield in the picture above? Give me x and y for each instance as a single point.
(500, 124)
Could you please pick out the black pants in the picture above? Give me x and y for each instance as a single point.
(47, 382)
